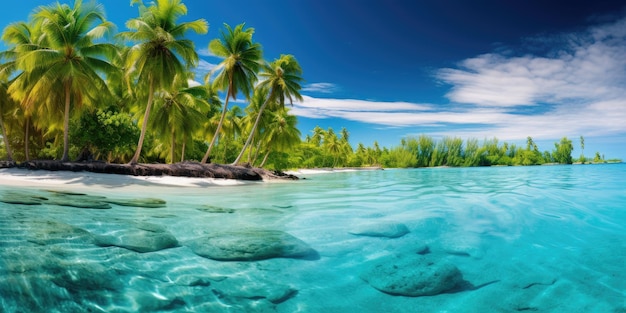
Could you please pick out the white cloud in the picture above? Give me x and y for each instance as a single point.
(205, 66)
(203, 69)
(600, 118)
(320, 87)
(193, 83)
(350, 108)
(591, 67)
(205, 52)
(578, 89)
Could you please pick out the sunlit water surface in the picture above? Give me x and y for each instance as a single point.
(526, 239)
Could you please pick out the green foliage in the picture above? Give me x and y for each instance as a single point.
(160, 54)
(109, 135)
(282, 78)
(563, 151)
(399, 157)
(59, 63)
(322, 150)
(597, 158)
(238, 70)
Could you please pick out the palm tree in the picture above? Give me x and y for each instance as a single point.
(180, 113)
(282, 133)
(67, 61)
(582, 150)
(6, 105)
(253, 109)
(282, 78)
(345, 142)
(19, 37)
(237, 72)
(332, 145)
(318, 135)
(231, 128)
(156, 58)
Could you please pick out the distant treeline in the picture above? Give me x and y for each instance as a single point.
(325, 148)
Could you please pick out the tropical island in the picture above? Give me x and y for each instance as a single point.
(72, 89)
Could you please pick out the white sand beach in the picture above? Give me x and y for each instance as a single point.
(41, 178)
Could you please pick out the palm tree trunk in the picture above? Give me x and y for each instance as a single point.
(6, 140)
(219, 125)
(144, 126)
(26, 139)
(250, 151)
(182, 152)
(256, 153)
(226, 142)
(254, 127)
(172, 146)
(66, 123)
(265, 158)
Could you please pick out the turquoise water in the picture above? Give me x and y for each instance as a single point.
(525, 239)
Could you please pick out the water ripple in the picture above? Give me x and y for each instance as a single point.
(552, 238)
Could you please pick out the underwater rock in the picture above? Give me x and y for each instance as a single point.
(460, 244)
(214, 209)
(249, 245)
(385, 229)
(412, 276)
(81, 276)
(151, 302)
(62, 198)
(140, 203)
(16, 197)
(77, 200)
(422, 249)
(248, 290)
(139, 237)
(45, 232)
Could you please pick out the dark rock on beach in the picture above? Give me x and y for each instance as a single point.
(250, 245)
(184, 169)
(412, 276)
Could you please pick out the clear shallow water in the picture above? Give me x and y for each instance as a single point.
(536, 239)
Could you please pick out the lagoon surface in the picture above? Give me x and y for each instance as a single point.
(500, 239)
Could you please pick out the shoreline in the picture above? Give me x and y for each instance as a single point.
(187, 169)
(50, 174)
(328, 170)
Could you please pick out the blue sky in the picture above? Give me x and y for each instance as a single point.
(472, 69)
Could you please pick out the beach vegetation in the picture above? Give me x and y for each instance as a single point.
(70, 88)
(160, 54)
(237, 73)
(282, 78)
(563, 151)
(7, 105)
(427, 151)
(178, 116)
(582, 158)
(105, 134)
(62, 69)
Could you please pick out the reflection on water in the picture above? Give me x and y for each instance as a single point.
(541, 239)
